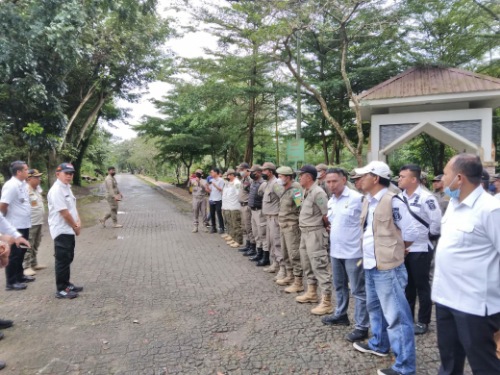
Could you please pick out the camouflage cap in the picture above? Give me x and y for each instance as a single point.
(230, 171)
(284, 170)
(243, 166)
(321, 167)
(255, 167)
(198, 171)
(439, 177)
(268, 165)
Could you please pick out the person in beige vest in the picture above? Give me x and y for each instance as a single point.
(246, 212)
(113, 196)
(31, 264)
(314, 243)
(290, 202)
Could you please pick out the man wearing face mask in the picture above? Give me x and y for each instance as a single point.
(290, 202)
(246, 212)
(321, 179)
(113, 196)
(258, 219)
(271, 208)
(467, 274)
(198, 185)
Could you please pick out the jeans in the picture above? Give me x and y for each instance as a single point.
(14, 272)
(459, 335)
(390, 316)
(418, 266)
(216, 207)
(347, 272)
(64, 252)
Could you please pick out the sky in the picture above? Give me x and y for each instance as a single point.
(189, 46)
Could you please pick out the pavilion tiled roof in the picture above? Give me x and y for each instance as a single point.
(421, 81)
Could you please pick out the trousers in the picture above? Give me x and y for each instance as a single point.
(14, 272)
(64, 252)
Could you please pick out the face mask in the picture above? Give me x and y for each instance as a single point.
(243, 174)
(264, 176)
(112, 173)
(198, 175)
(280, 182)
(452, 193)
(252, 175)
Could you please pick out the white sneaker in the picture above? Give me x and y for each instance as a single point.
(29, 272)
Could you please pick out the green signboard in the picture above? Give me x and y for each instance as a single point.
(295, 150)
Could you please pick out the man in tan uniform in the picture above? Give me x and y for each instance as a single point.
(113, 196)
(314, 243)
(198, 185)
(290, 202)
(258, 219)
(321, 178)
(246, 212)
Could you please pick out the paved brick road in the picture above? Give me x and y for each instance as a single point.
(161, 300)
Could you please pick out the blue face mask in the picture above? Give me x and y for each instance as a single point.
(452, 193)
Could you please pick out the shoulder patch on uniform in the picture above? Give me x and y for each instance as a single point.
(319, 201)
(396, 214)
(431, 204)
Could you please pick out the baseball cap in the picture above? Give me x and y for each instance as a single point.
(268, 165)
(321, 167)
(354, 176)
(311, 169)
(255, 167)
(65, 167)
(34, 173)
(243, 166)
(198, 171)
(230, 171)
(376, 167)
(284, 170)
(439, 177)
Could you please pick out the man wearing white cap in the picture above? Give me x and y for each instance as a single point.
(389, 230)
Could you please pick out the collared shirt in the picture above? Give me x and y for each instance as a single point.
(314, 207)
(60, 197)
(402, 218)
(198, 187)
(37, 208)
(15, 194)
(245, 189)
(111, 186)
(497, 196)
(230, 195)
(215, 194)
(290, 202)
(425, 205)
(344, 215)
(271, 197)
(467, 273)
(8, 228)
(442, 199)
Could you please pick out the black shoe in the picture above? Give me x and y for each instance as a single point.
(420, 328)
(27, 279)
(265, 260)
(250, 252)
(4, 323)
(332, 320)
(387, 371)
(66, 293)
(357, 335)
(245, 248)
(221, 231)
(16, 286)
(2, 365)
(74, 288)
(213, 230)
(259, 256)
(364, 348)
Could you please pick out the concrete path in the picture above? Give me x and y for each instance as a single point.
(161, 300)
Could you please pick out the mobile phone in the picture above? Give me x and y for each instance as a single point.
(23, 247)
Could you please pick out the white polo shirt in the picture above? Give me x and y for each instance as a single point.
(60, 197)
(15, 194)
(230, 195)
(215, 194)
(467, 273)
(8, 228)
(344, 215)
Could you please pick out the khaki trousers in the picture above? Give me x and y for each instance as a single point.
(290, 243)
(315, 259)
(273, 239)
(246, 223)
(259, 229)
(225, 217)
(113, 210)
(199, 210)
(235, 225)
(35, 238)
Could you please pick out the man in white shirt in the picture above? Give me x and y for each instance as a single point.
(64, 225)
(427, 215)
(389, 230)
(466, 285)
(214, 188)
(230, 200)
(15, 206)
(344, 214)
(31, 264)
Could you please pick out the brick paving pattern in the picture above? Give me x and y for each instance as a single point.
(159, 299)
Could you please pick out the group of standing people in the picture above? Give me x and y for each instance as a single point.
(377, 242)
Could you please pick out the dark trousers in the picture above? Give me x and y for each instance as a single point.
(14, 272)
(64, 252)
(418, 266)
(459, 335)
(216, 207)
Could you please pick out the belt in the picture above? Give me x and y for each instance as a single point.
(255, 209)
(243, 204)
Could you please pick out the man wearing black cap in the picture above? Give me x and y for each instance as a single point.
(64, 224)
(437, 187)
(246, 212)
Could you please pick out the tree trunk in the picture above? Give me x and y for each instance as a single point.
(93, 115)
(251, 108)
(77, 178)
(324, 142)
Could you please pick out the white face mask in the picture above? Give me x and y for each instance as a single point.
(281, 182)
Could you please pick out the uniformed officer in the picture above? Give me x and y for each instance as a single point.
(246, 212)
(258, 219)
(314, 243)
(425, 210)
(321, 178)
(198, 185)
(437, 187)
(290, 202)
(113, 196)
(270, 209)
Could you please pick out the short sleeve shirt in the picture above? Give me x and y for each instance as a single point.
(290, 202)
(60, 197)
(215, 194)
(37, 208)
(314, 207)
(15, 194)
